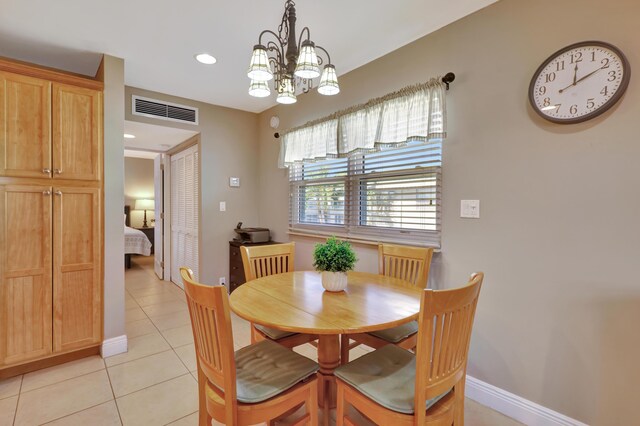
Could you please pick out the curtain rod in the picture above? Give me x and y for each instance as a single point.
(447, 79)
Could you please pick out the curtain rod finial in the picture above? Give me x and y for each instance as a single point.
(448, 78)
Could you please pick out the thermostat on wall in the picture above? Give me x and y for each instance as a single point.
(234, 182)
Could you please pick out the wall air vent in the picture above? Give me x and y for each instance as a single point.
(163, 110)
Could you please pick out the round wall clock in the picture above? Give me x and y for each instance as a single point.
(579, 82)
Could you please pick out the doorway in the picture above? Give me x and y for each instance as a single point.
(158, 145)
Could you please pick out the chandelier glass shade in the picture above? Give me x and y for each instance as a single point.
(286, 92)
(293, 69)
(259, 89)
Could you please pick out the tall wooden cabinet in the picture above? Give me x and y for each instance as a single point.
(50, 215)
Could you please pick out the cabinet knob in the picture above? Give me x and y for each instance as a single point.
(57, 171)
(58, 192)
(47, 192)
(46, 171)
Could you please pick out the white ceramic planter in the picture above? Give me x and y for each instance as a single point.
(334, 281)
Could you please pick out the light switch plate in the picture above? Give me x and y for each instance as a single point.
(470, 209)
(234, 182)
(223, 206)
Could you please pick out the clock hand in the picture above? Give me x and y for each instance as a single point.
(575, 74)
(579, 80)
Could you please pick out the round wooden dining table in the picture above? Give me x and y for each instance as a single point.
(297, 302)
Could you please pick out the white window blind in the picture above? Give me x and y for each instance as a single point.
(391, 195)
(373, 171)
(185, 178)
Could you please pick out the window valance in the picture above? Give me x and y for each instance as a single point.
(414, 113)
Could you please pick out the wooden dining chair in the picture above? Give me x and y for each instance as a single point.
(406, 263)
(393, 386)
(258, 383)
(262, 261)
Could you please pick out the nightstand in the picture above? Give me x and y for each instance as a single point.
(149, 232)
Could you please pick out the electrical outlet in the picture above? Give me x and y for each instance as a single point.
(223, 206)
(222, 280)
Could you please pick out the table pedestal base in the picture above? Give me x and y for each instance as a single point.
(329, 360)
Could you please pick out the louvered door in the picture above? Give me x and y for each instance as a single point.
(25, 273)
(185, 194)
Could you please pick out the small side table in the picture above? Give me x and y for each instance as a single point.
(149, 232)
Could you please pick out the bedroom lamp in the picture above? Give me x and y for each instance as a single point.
(145, 205)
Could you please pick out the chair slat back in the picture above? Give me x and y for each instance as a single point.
(445, 323)
(406, 263)
(212, 333)
(261, 261)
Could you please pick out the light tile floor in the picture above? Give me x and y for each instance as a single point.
(152, 384)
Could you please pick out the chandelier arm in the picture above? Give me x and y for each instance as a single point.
(326, 53)
(302, 34)
(273, 34)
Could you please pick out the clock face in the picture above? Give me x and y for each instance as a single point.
(579, 82)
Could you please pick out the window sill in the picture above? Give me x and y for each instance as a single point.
(363, 240)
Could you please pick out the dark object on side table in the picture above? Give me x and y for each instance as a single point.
(236, 270)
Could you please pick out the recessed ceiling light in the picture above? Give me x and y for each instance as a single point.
(128, 136)
(205, 58)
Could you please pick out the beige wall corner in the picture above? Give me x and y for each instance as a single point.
(114, 320)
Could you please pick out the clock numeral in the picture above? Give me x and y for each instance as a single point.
(542, 90)
(558, 107)
(550, 77)
(560, 66)
(546, 102)
(593, 56)
(605, 91)
(605, 63)
(612, 75)
(590, 103)
(576, 57)
(573, 109)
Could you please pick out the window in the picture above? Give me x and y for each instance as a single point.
(389, 195)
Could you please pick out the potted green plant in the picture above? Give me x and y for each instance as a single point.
(334, 258)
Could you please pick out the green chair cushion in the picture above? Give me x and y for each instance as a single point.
(266, 369)
(387, 376)
(272, 333)
(396, 334)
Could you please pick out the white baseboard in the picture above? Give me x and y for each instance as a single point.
(513, 406)
(114, 346)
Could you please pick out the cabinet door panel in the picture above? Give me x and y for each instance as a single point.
(77, 132)
(25, 126)
(77, 290)
(25, 273)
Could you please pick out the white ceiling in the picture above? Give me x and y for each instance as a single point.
(152, 139)
(158, 38)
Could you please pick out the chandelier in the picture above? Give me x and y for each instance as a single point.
(287, 65)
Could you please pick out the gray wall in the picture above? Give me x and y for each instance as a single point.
(113, 197)
(138, 184)
(558, 236)
(228, 147)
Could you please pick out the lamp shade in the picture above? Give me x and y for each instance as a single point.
(259, 66)
(259, 89)
(307, 66)
(145, 205)
(329, 81)
(286, 93)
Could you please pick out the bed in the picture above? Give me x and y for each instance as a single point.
(135, 242)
